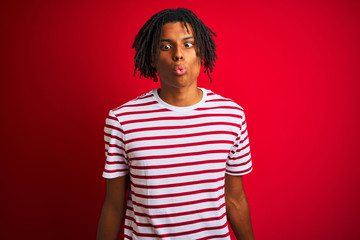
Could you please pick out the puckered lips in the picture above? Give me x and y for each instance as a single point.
(179, 70)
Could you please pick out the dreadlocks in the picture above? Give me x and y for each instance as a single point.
(147, 41)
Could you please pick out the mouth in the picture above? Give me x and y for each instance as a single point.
(179, 70)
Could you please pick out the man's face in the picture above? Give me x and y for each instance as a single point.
(178, 66)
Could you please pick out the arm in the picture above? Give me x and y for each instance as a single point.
(113, 211)
(237, 208)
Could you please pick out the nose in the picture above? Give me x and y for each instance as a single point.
(178, 54)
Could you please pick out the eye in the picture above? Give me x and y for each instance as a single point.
(165, 47)
(189, 44)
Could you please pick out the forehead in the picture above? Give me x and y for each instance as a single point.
(176, 29)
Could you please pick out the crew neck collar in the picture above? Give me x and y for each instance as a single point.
(180, 109)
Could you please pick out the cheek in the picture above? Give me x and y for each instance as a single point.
(161, 65)
(197, 66)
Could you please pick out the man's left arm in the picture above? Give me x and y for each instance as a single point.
(237, 208)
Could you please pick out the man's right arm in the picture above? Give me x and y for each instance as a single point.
(113, 211)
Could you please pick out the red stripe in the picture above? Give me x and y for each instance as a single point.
(137, 105)
(114, 137)
(171, 215)
(143, 112)
(112, 118)
(175, 165)
(107, 147)
(244, 139)
(179, 155)
(171, 205)
(219, 100)
(238, 165)
(239, 172)
(113, 127)
(128, 227)
(114, 146)
(242, 132)
(219, 107)
(169, 225)
(169, 118)
(239, 157)
(116, 170)
(182, 127)
(145, 96)
(239, 150)
(180, 145)
(177, 194)
(178, 184)
(214, 236)
(177, 174)
(180, 136)
(179, 233)
(115, 162)
(116, 154)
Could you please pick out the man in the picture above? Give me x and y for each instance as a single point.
(180, 150)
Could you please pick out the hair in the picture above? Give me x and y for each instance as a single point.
(147, 41)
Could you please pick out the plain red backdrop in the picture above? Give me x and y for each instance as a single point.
(293, 66)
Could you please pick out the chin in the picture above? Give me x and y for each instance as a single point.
(176, 81)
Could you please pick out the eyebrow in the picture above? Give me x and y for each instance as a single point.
(169, 40)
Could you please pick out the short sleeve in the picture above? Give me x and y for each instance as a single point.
(116, 163)
(239, 159)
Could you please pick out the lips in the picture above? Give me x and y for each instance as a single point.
(179, 70)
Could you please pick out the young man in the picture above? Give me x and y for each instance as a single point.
(180, 150)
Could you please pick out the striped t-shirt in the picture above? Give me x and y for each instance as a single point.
(177, 158)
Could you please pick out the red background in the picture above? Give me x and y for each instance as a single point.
(293, 66)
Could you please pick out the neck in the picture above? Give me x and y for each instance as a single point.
(180, 97)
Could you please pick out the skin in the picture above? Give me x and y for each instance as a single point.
(113, 211)
(178, 48)
(237, 208)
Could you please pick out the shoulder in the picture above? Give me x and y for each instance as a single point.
(215, 99)
(138, 103)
